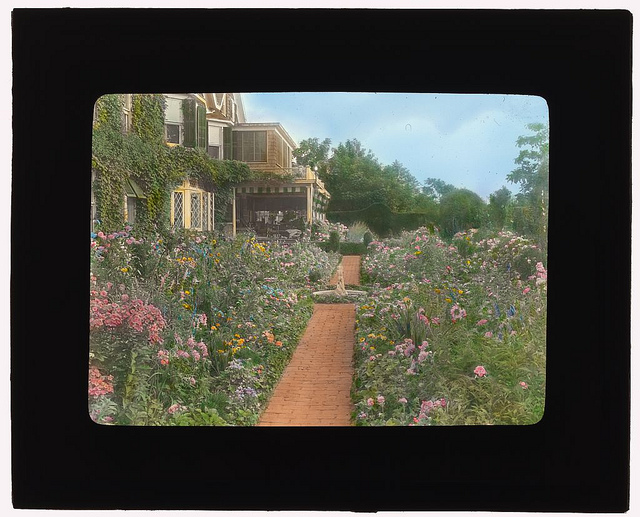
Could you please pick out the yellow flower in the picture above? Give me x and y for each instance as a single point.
(418, 252)
(214, 328)
(468, 262)
(236, 335)
(460, 291)
(186, 306)
(361, 339)
(187, 292)
(437, 291)
(124, 269)
(406, 299)
(448, 300)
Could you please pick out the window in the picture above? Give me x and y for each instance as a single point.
(178, 210)
(196, 210)
(172, 133)
(250, 146)
(205, 211)
(131, 209)
(126, 112)
(174, 121)
(192, 207)
(215, 139)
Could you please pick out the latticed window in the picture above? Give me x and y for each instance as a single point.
(211, 219)
(196, 209)
(205, 211)
(178, 209)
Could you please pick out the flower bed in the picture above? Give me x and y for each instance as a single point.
(453, 334)
(188, 330)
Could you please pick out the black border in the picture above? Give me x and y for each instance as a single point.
(576, 459)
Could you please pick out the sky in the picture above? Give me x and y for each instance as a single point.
(467, 140)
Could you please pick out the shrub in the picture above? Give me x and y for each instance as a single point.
(334, 241)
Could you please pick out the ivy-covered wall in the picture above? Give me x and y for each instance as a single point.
(141, 154)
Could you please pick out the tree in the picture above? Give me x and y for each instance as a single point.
(436, 188)
(532, 175)
(461, 210)
(400, 186)
(498, 202)
(313, 153)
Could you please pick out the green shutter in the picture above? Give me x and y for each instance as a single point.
(202, 127)
(227, 143)
(189, 112)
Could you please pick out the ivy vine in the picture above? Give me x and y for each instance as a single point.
(141, 154)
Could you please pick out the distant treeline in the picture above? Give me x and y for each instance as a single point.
(389, 199)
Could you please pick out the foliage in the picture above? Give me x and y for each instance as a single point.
(530, 212)
(498, 202)
(313, 153)
(436, 188)
(459, 210)
(334, 241)
(189, 330)
(142, 155)
(450, 338)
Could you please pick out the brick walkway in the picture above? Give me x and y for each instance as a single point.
(351, 268)
(315, 387)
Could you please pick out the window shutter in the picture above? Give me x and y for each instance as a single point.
(202, 127)
(227, 142)
(189, 113)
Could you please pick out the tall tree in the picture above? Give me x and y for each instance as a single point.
(532, 174)
(313, 153)
(461, 210)
(498, 202)
(436, 188)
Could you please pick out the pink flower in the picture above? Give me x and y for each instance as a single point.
(488, 334)
(524, 385)
(174, 408)
(443, 402)
(527, 289)
(192, 381)
(380, 399)
(480, 371)
(402, 400)
(370, 402)
(482, 322)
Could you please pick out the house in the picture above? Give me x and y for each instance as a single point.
(287, 197)
(280, 204)
(187, 123)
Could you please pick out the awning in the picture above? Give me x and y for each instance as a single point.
(132, 189)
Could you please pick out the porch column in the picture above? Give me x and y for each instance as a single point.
(310, 204)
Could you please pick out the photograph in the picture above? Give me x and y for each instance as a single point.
(318, 259)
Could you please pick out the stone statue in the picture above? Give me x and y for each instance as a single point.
(340, 290)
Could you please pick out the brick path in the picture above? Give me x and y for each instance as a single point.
(351, 268)
(315, 387)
